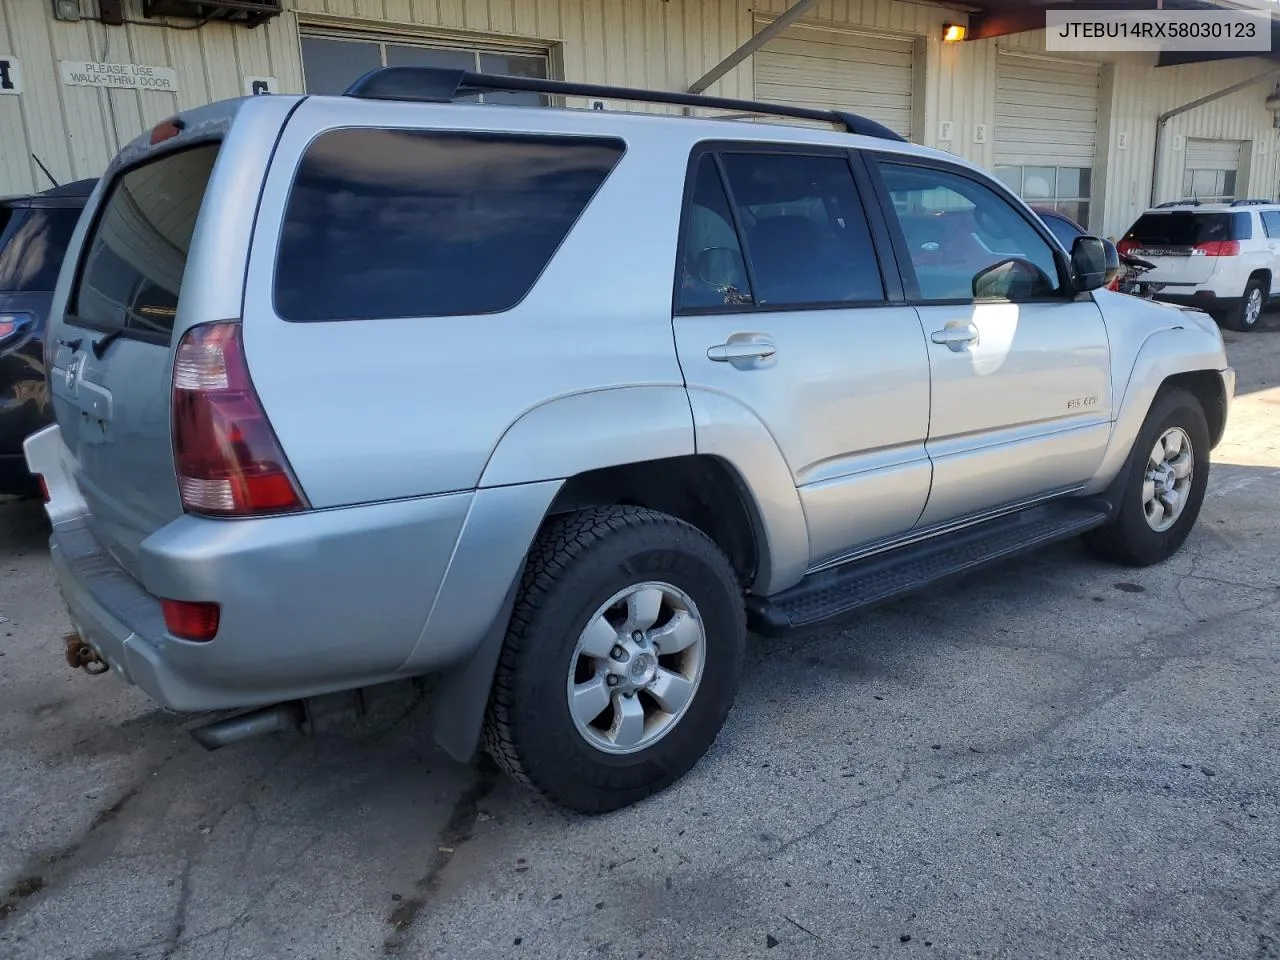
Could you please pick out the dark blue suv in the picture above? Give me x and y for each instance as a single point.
(34, 233)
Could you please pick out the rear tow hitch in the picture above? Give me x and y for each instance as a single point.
(81, 656)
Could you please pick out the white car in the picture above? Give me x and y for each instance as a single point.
(1221, 257)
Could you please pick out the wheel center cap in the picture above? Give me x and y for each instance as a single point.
(642, 668)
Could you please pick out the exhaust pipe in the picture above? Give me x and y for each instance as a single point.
(81, 656)
(303, 715)
(221, 733)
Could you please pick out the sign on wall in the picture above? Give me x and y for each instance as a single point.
(10, 75)
(131, 76)
(255, 86)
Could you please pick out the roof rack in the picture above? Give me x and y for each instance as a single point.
(1178, 203)
(443, 85)
(1250, 203)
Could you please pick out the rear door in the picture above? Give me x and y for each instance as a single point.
(1184, 245)
(111, 366)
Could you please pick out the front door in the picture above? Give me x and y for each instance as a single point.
(1019, 363)
(782, 308)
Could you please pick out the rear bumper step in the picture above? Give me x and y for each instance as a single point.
(887, 576)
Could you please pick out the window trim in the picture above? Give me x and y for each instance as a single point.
(600, 138)
(906, 264)
(890, 281)
(91, 231)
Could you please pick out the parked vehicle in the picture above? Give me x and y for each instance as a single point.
(555, 403)
(1222, 258)
(1066, 230)
(34, 232)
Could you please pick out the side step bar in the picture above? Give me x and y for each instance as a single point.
(887, 576)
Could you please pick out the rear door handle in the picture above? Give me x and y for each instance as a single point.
(957, 338)
(742, 350)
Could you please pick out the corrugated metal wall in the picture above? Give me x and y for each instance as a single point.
(646, 43)
(76, 130)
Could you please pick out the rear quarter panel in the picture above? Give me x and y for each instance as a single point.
(370, 410)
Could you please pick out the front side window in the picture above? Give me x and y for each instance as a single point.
(398, 223)
(805, 230)
(136, 253)
(965, 241)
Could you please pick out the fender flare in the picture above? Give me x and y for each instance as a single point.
(1163, 354)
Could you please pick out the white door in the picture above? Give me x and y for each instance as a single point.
(1211, 170)
(1047, 131)
(818, 67)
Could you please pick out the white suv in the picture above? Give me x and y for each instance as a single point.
(1221, 257)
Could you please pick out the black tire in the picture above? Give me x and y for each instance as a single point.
(579, 562)
(1241, 317)
(1128, 538)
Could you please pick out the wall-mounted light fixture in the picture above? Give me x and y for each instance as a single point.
(954, 32)
(66, 9)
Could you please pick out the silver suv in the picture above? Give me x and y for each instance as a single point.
(552, 404)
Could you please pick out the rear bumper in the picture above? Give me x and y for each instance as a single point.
(15, 478)
(1206, 300)
(311, 603)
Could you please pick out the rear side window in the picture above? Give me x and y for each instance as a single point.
(137, 250)
(1271, 223)
(392, 223)
(33, 243)
(1185, 229)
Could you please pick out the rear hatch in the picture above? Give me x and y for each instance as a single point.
(1185, 245)
(111, 363)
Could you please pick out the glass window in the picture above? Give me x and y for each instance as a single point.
(713, 273)
(137, 251)
(805, 229)
(1271, 224)
(1063, 229)
(390, 223)
(32, 244)
(956, 228)
(331, 64)
(1065, 189)
(1183, 228)
(1209, 186)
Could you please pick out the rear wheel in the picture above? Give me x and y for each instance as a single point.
(621, 661)
(1246, 316)
(1168, 473)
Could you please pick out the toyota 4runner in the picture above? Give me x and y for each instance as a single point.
(553, 404)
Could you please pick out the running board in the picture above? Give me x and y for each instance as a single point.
(887, 576)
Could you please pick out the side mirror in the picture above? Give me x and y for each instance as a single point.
(1094, 263)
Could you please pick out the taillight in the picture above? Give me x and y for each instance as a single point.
(228, 460)
(44, 488)
(188, 620)
(1218, 248)
(1126, 245)
(13, 326)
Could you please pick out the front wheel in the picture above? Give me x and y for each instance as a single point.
(1168, 473)
(621, 661)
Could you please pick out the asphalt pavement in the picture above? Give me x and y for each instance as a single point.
(1057, 758)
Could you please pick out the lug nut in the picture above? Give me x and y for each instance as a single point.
(618, 653)
(611, 680)
(638, 637)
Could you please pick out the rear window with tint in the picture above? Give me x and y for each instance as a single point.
(390, 223)
(1180, 229)
(135, 256)
(33, 242)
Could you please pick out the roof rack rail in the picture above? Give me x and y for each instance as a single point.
(1251, 203)
(1178, 203)
(444, 85)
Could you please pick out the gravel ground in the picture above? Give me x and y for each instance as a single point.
(1053, 759)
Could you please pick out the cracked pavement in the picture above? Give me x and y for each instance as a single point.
(1056, 758)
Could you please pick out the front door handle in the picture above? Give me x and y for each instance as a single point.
(957, 338)
(742, 350)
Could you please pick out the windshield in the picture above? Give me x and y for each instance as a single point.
(33, 242)
(1180, 229)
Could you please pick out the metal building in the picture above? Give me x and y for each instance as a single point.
(78, 78)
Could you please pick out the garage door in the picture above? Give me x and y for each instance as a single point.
(1046, 134)
(815, 67)
(1212, 169)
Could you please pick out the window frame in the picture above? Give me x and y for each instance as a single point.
(863, 189)
(91, 230)
(278, 242)
(906, 265)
